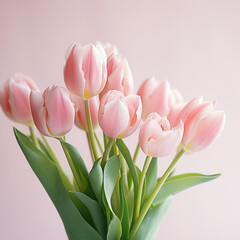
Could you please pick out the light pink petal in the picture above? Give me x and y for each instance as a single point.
(197, 114)
(92, 68)
(158, 100)
(39, 112)
(207, 130)
(114, 118)
(149, 130)
(73, 73)
(60, 111)
(135, 112)
(187, 109)
(166, 143)
(19, 102)
(174, 112)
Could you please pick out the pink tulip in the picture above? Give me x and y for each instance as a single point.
(14, 98)
(109, 49)
(202, 124)
(157, 138)
(158, 97)
(119, 116)
(53, 112)
(80, 115)
(119, 75)
(85, 71)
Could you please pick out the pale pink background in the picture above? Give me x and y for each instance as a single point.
(194, 44)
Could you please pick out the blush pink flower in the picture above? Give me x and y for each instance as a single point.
(14, 98)
(119, 115)
(80, 114)
(202, 124)
(85, 71)
(158, 97)
(119, 76)
(53, 112)
(109, 49)
(157, 138)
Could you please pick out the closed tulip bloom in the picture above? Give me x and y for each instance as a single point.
(53, 112)
(85, 71)
(119, 76)
(202, 125)
(109, 49)
(158, 97)
(80, 114)
(157, 138)
(119, 115)
(14, 98)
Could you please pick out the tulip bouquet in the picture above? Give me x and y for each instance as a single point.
(115, 199)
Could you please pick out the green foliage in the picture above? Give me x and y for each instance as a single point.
(179, 183)
(76, 226)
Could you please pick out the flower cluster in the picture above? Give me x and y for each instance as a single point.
(100, 93)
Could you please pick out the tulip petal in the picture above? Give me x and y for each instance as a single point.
(60, 111)
(19, 102)
(207, 130)
(198, 113)
(73, 73)
(39, 112)
(115, 118)
(166, 143)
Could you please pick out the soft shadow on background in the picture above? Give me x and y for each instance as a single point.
(193, 44)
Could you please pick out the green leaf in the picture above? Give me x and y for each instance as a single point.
(78, 163)
(151, 178)
(46, 171)
(114, 229)
(124, 212)
(110, 176)
(149, 227)
(44, 149)
(96, 212)
(127, 156)
(96, 181)
(176, 184)
(111, 172)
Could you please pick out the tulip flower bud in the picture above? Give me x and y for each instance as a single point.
(157, 138)
(109, 49)
(85, 71)
(53, 112)
(119, 75)
(14, 98)
(80, 114)
(158, 97)
(202, 124)
(119, 116)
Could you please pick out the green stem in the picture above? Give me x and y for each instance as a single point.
(98, 142)
(90, 146)
(33, 136)
(70, 162)
(153, 195)
(64, 177)
(140, 187)
(107, 150)
(136, 153)
(115, 148)
(105, 139)
(90, 129)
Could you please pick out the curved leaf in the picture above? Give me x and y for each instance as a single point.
(176, 184)
(149, 227)
(114, 229)
(46, 171)
(96, 212)
(96, 181)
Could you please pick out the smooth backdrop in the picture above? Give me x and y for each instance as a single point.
(195, 44)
